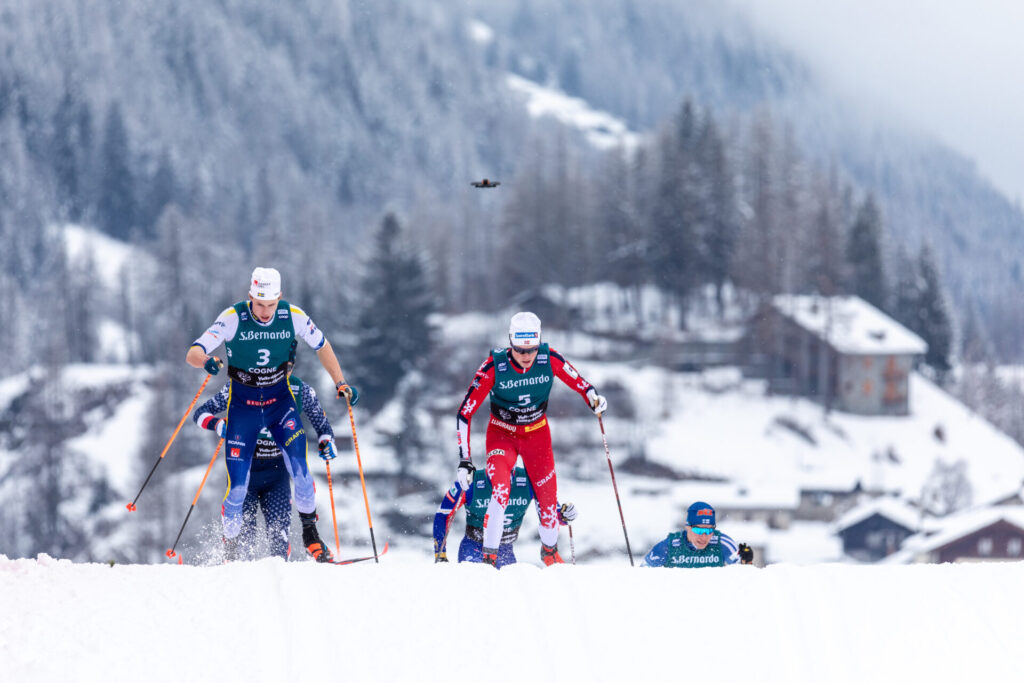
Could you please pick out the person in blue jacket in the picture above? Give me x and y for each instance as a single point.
(476, 500)
(257, 334)
(269, 482)
(700, 544)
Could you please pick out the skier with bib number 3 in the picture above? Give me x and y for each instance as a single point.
(257, 335)
(518, 380)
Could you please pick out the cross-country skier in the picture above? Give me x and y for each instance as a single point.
(269, 482)
(476, 500)
(518, 380)
(700, 544)
(257, 335)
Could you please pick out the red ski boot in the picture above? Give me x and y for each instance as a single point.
(549, 555)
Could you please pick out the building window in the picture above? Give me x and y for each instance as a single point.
(985, 546)
(868, 387)
(1013, 547)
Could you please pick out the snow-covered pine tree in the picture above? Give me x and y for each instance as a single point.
(117, 201)
(934, 323)
(393, 334)
(864, 255)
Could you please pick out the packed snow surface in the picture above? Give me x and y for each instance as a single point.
(406, 619)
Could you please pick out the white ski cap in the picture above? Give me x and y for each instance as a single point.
(265, 284)
(524, 330)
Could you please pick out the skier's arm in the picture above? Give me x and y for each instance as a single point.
(314, 410)
(442, 518)
(223, 329)
(205, 414)
(307, 331)
(730, 551)
(482, 384)
(658, 555)
(330, 363)
(569, 375)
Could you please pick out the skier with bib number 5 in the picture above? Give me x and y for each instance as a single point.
(518, 380)
(257, 335)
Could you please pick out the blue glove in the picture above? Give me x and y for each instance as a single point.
(327, 449)
(213, 365)
(349, 392)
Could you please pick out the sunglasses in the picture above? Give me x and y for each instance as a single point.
(702, 531)
(524, 349)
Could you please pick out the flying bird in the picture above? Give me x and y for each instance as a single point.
(485, 183)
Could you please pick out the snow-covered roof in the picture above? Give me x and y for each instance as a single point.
(957, 526)
(891, 508)
(850, 325)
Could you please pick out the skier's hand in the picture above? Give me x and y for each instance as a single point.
(214, 424)
(567, 513)
(597, 402)
(746, 554)
(328, 451)
(440, 557)
(213, 365)
(464, 475)
(349, 392)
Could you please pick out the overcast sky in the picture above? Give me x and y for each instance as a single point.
(955, 67)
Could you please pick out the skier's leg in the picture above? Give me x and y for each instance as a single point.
(501, 458)
(470, 550)
(244, 424)
(286, 428)
(247, 536)
(505, 555)
(277, 512)
(539, 461)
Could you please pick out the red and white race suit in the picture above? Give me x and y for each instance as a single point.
(518, 431)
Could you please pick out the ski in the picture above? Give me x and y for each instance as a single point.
(362, 559)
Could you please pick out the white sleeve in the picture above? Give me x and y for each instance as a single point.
(222, 330)
(306, 329)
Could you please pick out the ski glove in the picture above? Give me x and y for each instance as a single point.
(213, 365)
(349, 392)
(328, 451)
(567, 513)
(214, 424)
(746, 554)
(597, 402)
(464, 475)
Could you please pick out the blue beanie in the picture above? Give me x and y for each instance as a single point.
(700, 513)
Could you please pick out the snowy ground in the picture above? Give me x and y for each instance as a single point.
(406, 619)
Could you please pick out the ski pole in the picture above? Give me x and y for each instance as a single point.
(572, 545)
(362, 480)
(615, 486)
(170, 552)
(334, 517)
(131, 505)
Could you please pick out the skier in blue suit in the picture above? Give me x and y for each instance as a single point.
(269, 483)
(700, 544)
(476, 500)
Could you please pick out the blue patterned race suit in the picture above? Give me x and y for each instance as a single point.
(269, 482)
(259, 397)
